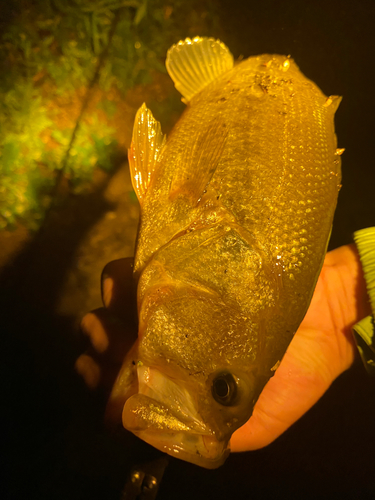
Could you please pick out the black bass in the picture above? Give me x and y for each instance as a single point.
(236, 212)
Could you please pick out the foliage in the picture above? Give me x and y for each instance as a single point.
(49, 55)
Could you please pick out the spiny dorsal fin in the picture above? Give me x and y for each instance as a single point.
(193, 64)
(144, 150)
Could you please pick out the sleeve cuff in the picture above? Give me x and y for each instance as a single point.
(364, 330)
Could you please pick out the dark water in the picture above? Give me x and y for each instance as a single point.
(55, 445)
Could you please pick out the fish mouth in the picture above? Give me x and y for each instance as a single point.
(164, 414)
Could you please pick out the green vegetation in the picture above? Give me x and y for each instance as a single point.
(52, 54)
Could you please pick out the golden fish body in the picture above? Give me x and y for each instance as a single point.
(236, 212)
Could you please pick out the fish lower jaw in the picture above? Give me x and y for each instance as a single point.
(153, 424)
(196, 449)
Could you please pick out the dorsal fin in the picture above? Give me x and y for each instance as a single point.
(193, 64)
(143, 154)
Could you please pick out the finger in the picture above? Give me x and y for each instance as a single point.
(118, 288)
(304, 375)
(345, 263)
(97, 374)
(110, 338)
(89, 370)
(94, 329)
(110, 341)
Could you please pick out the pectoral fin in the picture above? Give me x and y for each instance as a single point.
(193, 64)
(199, 162)
(144, 151)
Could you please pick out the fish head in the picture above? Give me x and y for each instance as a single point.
(191, 389)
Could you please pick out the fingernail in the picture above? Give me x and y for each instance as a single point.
(107, 290)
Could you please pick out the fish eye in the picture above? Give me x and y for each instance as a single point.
(224, 389)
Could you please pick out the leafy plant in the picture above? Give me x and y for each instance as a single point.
(50, 55)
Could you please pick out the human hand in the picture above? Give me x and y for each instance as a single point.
(111, 331)
(320, 351)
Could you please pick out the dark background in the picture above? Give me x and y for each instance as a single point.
(55, 446)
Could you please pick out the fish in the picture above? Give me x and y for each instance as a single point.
(236, 210)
